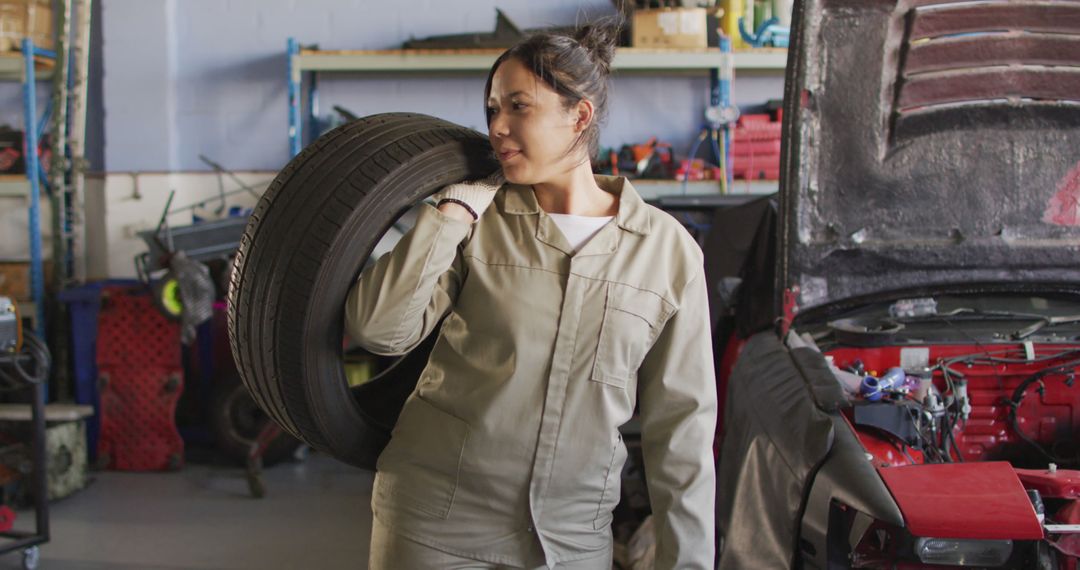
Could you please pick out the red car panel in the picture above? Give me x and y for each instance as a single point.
(991, 503)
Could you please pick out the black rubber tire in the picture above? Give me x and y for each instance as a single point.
(307, 241)
(219, 274)
(236, 420)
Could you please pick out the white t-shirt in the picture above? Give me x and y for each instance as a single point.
(579, 229)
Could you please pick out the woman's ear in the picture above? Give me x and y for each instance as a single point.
(584, 114)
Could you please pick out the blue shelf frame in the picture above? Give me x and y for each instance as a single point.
(33, 165)
(719, 97)
(292, 49)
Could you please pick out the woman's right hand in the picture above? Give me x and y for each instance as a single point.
(466, 201)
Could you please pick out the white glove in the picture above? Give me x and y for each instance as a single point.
(475, 195)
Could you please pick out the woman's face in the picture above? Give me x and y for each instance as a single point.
(530, 129)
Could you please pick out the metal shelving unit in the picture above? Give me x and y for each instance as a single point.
(28, 542)
(30, 57)
(13, 64)
(32, 65)
(66, 68)
(720, 65)
(626, 59)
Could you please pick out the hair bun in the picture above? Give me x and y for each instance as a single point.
(600, 38)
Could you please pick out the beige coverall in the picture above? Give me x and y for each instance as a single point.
(511, 436)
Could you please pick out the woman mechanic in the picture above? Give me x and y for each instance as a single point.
(567, 302)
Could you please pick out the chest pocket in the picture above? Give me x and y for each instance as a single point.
(632, 320)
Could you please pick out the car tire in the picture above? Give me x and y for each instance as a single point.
(307, 241)
(236, 422)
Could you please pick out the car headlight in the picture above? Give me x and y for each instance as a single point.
(963, 552)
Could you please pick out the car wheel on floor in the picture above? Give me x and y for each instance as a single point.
(236, 421)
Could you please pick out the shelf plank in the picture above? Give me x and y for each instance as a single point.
(53, 412)
(14, 186)
(653, 189)
(11, 67)
(766, 59)
(396, 60)
(627, 59)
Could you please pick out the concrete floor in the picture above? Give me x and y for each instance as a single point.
(316, 514)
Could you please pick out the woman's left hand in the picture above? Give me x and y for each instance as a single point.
(472, 197)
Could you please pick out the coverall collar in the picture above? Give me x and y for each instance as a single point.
(632, 215)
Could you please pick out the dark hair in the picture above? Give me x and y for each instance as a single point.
(576, 66)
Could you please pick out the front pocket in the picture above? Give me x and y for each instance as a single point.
(632, 319)
(420, 467)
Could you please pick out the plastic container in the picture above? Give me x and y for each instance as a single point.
(83, 304)
(729, 21)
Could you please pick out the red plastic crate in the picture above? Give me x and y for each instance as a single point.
(132, 332)
(138, 407)
(755, 118)
(756, 148)
(140, 379)
(756, 161)
(756, 174)
(757, 132)
(756, 167)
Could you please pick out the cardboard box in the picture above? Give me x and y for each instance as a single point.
(11, 151)
(15, 279)
(26, 18)
(670, 28)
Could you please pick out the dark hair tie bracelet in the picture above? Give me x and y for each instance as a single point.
(459, 203)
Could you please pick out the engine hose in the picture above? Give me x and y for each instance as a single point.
(1018, 398)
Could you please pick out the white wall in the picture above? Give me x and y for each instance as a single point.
(121, 205)
(15, 223)
(188, 77)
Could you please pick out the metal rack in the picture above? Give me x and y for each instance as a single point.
(36, 64)
(300, 61)
(67, 68)
(29, 88)
(24, 67)
(28, 541)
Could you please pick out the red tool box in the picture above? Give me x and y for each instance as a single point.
(755, 148)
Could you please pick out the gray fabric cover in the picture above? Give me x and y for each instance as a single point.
(196, 293)
(775, 438)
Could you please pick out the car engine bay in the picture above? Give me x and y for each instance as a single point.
(942, 382)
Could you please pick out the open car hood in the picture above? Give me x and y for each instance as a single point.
(929, 143)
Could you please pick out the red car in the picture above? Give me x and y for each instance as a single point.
(900, 387)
